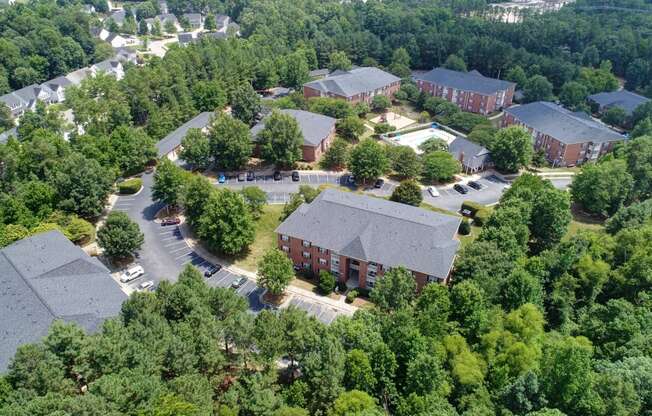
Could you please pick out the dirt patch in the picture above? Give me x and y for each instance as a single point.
(275, 300)
(168, 212)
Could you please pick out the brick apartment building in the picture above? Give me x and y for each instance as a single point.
(356, 85)
(567, 138)
(359, 237)
(470, 91)
(318, 132)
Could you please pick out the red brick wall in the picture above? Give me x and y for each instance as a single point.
(310, 92)
(467, 100)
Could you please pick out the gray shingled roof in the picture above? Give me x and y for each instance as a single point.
(46, 277)
(185, 38)
(624, 99)
(565, 126)
(472, 154)
(193, 18)
(108, 65)
(353, 82)
(213, 35)
(315, 127)
(468, 81)
(58, 82)
(173, 140)
(374, 229)
(76, 77)
(12, 101)
(5, 135)
(31, 92)
(221, 20)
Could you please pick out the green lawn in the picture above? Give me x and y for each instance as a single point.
(582, 221)
(265, 238)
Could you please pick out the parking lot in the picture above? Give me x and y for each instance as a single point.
(316, 179)
(324, 313)
(450, 199)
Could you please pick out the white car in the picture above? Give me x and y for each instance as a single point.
(131, 274)
(146, 285)
(433, 191)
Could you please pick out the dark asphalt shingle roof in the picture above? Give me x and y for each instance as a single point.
(468, 81)
(624, 99)
(471, 154)
(354, 81)
(46, 277)
(173, 140)
(193, 18)
(377, 230)
(58, 82)
(555, 121)
(185, 38)
(314, 127)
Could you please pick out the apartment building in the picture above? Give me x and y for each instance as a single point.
(567, 138)
(470, 91)
(356, 85)
(359, 237)
(318, 132)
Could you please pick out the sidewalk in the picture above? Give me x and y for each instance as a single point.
(293, 291)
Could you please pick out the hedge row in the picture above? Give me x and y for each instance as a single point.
(130, 186)
(481, 217)
(472, 207)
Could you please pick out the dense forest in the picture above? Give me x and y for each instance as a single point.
(43, 40)
(535, 323)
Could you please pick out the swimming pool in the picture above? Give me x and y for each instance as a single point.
(415, 138)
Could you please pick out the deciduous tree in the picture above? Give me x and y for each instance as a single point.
(119, 236)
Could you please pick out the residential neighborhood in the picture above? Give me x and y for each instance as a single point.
(332, 208)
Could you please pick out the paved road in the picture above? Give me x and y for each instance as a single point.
(165, 253)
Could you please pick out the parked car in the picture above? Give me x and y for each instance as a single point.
(295, 176)
(379, 183)
(433, 191)
(221, 178)
(170, 221)
(350, 180)
(148, 285)
(474, 185)
(132, 273)
(461, 189)
(241, 177)
(239, 282)
(250, 176)
(214, 268)
(278, 176)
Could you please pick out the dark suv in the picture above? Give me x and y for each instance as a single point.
(212, 270)
(277, 176)
(474, 185)
(295, 176)
(461, 189)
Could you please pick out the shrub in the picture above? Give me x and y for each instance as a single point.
(350, 297)
(326, 282)
(341, 286)
(130, 186)
(80, 231)
(424, 117)
(481, 217)
(382, 128)
(472, 206)
(465, 227)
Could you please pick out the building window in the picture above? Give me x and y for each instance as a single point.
(306, 243)
(286, 249)
(306, 255)
(285, 237)
(306, 265)
(322, 250)
(433, 279)
(322, 262)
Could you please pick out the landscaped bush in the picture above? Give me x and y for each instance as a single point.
(350, 297)
(481, 217)
(326, 282)
(465, 227)
(472, 206)
(382, 128)
(130, 186)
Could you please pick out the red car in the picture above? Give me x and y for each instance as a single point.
(170, 221)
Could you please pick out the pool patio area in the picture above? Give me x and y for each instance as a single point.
(415, 138)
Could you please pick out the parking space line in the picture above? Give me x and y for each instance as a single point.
(174, 237)
(175, 243)
(184, 254)
(179, 249)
